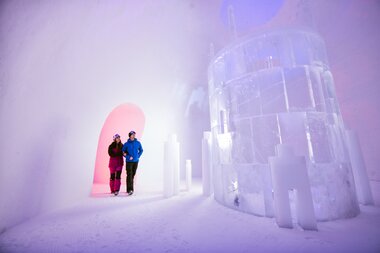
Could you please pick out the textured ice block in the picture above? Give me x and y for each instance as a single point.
(188, 175)
(289, 172)
(363, 188)
(171, 167)
(206, 165)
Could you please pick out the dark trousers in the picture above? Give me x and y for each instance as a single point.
(117, 174)
(131, 172)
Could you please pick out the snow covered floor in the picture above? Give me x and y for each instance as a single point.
(145, 222)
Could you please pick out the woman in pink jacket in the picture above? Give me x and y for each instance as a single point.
(115, 164)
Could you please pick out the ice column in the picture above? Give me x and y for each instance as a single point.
(206, 164)
(171, 167)
(290, 172)
(363, 188)
(188, 175)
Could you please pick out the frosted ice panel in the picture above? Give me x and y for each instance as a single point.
(230, 186)
(339, 151)
(293, 132)
(214, 108)
(245, 98)
(319, 137)
(268, 53)
(250, 55)
(315, 78)
(333, 191)
(225, 145)
(300, 48)
(362, 184)
(273, 75)
(272, 93)
(238, 63)
(220, 111)
(284, 51)
(242, 151)
(217, 181)
(266, 48)
(317, 53)
(329, 92)
(251, 188)
(219, 73)
(229, 65)
(265, 134)
(297, 89)
(250, 108)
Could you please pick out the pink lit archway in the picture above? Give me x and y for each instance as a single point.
(121, 120)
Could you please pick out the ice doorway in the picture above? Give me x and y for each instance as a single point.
(121, 120)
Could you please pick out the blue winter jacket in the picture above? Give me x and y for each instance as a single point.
(132, 149)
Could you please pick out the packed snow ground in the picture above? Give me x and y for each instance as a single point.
(146, 222)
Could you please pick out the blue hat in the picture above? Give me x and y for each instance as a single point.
(116, 136)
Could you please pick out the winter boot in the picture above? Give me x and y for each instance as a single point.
(112, 185)
(117, 184)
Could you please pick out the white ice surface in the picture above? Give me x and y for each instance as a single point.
(190, 222)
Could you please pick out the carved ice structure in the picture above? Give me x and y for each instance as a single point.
(276, 88)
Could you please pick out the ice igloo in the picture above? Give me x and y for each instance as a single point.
(276, 88)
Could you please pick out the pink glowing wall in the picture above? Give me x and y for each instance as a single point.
(121, 120)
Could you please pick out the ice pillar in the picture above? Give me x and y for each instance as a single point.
(171, 167)
(206, 164)
(290, 172)
(363, 188)
(188, 175)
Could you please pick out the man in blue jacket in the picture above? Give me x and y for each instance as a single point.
(132, 150)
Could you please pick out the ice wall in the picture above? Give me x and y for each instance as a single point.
(65, 66)
(276, 88)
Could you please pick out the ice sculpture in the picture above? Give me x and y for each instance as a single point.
(206, 165)
(363, 188)
(171, 167)
(289, 172)
(276, 88)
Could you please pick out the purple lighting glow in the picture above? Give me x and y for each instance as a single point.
(274, 103)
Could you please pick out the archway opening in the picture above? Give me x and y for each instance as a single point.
(121, 120)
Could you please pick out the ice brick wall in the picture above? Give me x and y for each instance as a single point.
(276, 88)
